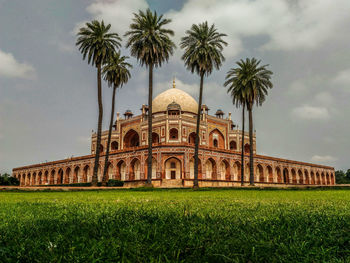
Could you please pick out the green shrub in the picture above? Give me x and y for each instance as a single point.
(112, 182)
(8, 180)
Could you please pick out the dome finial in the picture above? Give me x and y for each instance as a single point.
(174, 82)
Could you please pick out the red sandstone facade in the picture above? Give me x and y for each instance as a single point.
(174, 121)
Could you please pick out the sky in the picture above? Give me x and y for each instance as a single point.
(48, 104)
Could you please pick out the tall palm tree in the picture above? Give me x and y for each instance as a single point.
(203, 52)
(116, 73)
(238, 94)
(255, 80)
(97, 45)
(150, 43)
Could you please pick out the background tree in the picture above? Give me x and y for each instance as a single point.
(256, 80)
(7, 180)
(116, 73)
(341, 177)
(238, 93)
(97, 45)
(203, 47)
(150, 43)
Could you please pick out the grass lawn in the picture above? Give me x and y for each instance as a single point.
(176, 225)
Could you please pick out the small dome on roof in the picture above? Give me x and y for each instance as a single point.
(174, 106)
(219, 112)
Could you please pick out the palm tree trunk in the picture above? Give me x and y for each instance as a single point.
(99, 126)
(150, 96)
(196, 146)
(251, 157)
(104, 179)
(242, 147)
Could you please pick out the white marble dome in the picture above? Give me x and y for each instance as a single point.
(186, 101)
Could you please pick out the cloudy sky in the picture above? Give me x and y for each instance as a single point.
(48, 93)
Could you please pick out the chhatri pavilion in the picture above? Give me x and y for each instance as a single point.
(174, 125)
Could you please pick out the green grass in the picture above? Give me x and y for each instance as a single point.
(175, 225)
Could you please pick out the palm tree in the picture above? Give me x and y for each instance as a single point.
(116, 73)
(97, 45)
(150, 43)
(255, 80)
(238, 94)
(203, 52)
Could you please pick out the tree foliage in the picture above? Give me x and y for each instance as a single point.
(6, 179)
(342, 177)
(148, 40)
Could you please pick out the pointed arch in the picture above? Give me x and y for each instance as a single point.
(135, 169)
(52, 177)
(210, 169)
(40, 178)
(237, 171)
(155, 138)
(114, 146)
(110, 174)
(285, 176)
(306, 175)
(67, 175)
(121, 170)
(46, 177)
(76, 174)
(131, 139)
(173, 134)
(313, 179)
(173, 168)
(233, 145)
(269, 174)
(60, 176)
(294, 176)
(247, 148)
(216, 139)
(33, 179)
(323, 178)
(224, 173)
(86, 172)
(260, 173)
(301, 177)
(192, 138)
(318, 178)
(279, 175)
(29, 178)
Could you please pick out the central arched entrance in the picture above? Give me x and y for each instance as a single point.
(172, 168)
(131, 139)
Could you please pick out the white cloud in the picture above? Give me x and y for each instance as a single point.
(307, 112)
(343, 79)
(287, 25)
(11, 68)
(323, 159)
(118, 13)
